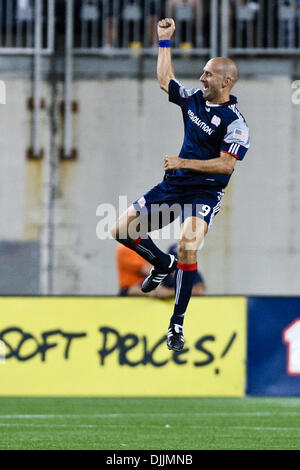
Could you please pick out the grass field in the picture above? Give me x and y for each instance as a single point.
(149, 423)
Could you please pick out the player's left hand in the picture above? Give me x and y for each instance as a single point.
(172, 163)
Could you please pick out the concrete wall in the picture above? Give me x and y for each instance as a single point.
(19, 268)
(122, 132)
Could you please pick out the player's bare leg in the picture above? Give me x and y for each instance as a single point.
(120, 230)
(193, 231)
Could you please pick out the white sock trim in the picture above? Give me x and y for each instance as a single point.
(172, 260)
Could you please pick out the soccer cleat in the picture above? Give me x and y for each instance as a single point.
(175, 340)
(156, 277)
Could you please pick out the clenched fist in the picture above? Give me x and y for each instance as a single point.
(173, 163)
(165, 28)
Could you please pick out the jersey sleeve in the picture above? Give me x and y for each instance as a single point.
(236, 141)
(178, 94)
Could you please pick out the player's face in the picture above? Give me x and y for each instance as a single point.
(212, 80)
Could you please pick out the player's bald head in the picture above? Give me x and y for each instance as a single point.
(219, 76)
(226, 67)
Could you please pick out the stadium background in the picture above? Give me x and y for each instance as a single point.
(84, 122)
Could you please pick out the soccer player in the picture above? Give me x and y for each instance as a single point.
(216, 136)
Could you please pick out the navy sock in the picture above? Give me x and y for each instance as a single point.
(185, 274)
(150, 252)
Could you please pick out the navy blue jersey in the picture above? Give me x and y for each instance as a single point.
(209, 129)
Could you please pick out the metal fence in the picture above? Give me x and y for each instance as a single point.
(119, 27)
(226, 27)
(260, 27)
(110, 27)
(26, 25)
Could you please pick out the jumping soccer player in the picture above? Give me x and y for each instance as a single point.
(216, 136)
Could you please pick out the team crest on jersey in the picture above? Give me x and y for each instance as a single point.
(216, 121)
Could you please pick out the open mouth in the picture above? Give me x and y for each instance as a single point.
(205, 88)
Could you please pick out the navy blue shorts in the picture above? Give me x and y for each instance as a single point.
(168, 203)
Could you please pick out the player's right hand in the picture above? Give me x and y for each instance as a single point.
(165, 28)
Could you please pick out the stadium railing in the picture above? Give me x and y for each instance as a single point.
(27, 27)
(226, 27)
(119, 27)
(260, 27)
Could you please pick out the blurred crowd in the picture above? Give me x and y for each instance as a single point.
(132, 23)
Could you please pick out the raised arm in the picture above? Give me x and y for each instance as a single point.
(165, 72)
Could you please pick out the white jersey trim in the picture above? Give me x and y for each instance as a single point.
(185, 92)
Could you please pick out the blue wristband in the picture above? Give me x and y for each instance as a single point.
(164, 43)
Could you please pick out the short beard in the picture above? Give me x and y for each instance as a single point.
(211, 95)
